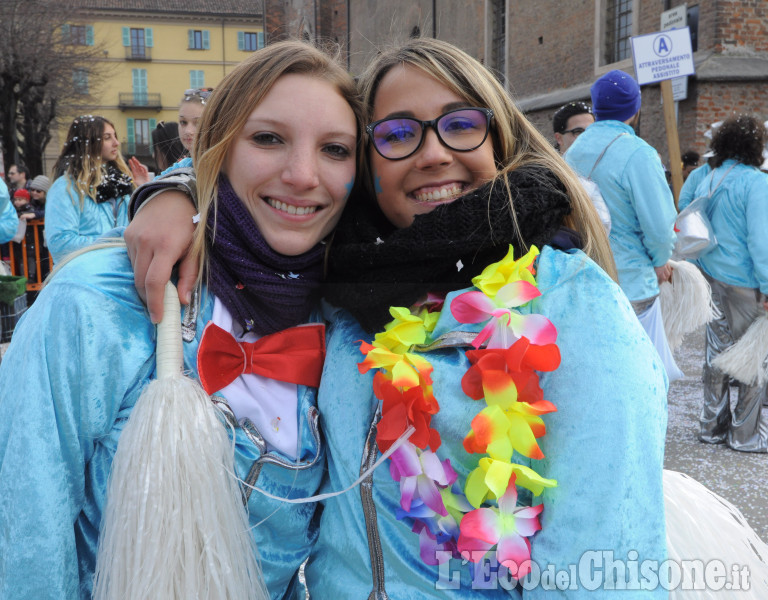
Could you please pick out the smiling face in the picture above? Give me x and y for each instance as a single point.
(110, 146)
(293, 163)
(434, 174)
(189, 119)
(37, 195)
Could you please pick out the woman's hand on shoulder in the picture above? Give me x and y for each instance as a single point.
(158, 237)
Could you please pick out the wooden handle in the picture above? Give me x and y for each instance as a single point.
(170, 357)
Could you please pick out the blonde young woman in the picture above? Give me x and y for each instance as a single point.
(190, 113)
(279, 137)
(93, 185)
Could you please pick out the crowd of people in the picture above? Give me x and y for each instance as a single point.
(92, 182)
(466, 367)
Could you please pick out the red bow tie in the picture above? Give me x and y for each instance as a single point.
(293, 355)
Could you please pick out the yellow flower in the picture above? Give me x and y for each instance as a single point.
(497, 275)
(401, 333)
(430, 319)
(490, 478)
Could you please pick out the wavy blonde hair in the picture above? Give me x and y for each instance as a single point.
(227, 109)
(516, 141)
(80, 157)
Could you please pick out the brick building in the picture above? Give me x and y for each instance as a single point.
(549, 52)
(577, 41)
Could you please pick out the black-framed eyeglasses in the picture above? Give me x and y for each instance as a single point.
(201, 93)
(462, 130)
(575, 132)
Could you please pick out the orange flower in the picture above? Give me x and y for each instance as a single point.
(401, 409)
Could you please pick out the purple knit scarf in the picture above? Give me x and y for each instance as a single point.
(264, 291)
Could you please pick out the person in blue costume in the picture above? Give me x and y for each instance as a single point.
(443, 211)
(276, 158)
(93, 185)
(632, 181)
(9, 220)
(455, 175)
(688, 191)
(737, 270)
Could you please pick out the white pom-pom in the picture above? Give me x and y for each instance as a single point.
(747, 360)
(703, 527)
(686, 302)
(175, 526)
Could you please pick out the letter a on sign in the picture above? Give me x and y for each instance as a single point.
(663, 48)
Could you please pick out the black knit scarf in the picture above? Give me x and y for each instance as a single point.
(263, 290)
(114, 184)
(372, 266)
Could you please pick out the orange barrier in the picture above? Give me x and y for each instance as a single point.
(42, 266)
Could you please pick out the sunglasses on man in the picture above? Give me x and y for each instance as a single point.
(575, 132)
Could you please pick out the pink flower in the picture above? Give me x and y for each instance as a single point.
(507, 527)
(504, 325)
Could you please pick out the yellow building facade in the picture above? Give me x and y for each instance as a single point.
(151, 56)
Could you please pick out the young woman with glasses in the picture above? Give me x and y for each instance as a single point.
(273, 178)
(456, 175)
(533, 404)
(91, 192)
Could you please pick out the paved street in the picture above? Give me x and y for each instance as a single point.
(740, 477)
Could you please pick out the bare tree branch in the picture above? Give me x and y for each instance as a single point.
(38, 60)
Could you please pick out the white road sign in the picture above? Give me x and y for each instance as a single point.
(662, 55)
(674, 18)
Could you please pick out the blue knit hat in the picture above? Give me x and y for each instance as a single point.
(615, 96)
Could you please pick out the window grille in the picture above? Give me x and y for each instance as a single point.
(618, 30)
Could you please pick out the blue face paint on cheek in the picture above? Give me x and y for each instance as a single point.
(349, 187)
(377, 184)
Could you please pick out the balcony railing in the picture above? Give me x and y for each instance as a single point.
(138, 100)
(136, 149)
(138, 53)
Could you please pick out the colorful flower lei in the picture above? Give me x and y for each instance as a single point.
(468, 522)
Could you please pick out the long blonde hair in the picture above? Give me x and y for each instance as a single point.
(229, 106)
(80, 158)
(516, 141)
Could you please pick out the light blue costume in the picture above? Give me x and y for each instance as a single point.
(68, 228)
(9, 220)
(738, 212)
(604, 445)
(631, 180)
(688, 191)
(737, 271)
(79, 360)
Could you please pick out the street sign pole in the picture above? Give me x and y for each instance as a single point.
(673, 141)
(674, 19)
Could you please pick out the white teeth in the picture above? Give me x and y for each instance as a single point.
(290, 208)
(449, 191)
